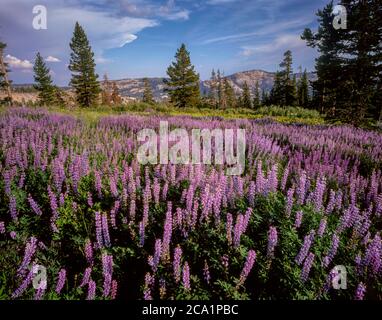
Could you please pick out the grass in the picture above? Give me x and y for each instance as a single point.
(284, 115)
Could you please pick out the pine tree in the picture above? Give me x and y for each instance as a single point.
(349, 65)
(303, 91)
(213, 88)
(183, 84)
(229, 93)
(106, 91)
(82, 65)
(276, 95)
(288, 83)
(222, 101)
(265, 99)
(5, 83)
(246, 97)
(115, 96)
(43, 82)
(147, 93)
(256, 99)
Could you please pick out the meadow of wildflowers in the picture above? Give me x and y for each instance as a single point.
(74, 199)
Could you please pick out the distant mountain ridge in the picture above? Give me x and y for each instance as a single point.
(132, 89)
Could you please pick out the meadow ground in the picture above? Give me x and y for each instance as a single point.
(76, 202)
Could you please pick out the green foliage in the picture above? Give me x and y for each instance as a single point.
(147, 93)
(82, 65)
(43, 82)
(183, 85)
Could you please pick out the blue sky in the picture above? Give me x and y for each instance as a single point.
(138, 38)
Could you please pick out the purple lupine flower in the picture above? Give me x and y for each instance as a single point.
(238, 230)
(154, 261)
(91, 290)
(301, 189)
(298, 221)
(329, 280)
(308, 240)
(98, 223)
(360, 292)
(333, 250)
(61, 280)
(246, 219)
(272, 242)
(251, 258)
(373, 255)
(252, 193)
(107, 269)
(113, 187)
(176, 263)
(13, 235)
(114, 289)
(132, 210)
(186, 277)
(12, 207)
(162, 288)
(319, 194)
(229, 228)
(142, 233)
(30, 250)
(86, 278)
(89, 252)
(105, 230)
(149, 281)
(322, 227)
(165, 191)
(98, 183)
(62, 200)
(2, 227)
(156, 191)
(24, 285)
(332, 202)
(39, 294)
(36, 209)
(285, 178)
(206, 272)
(289, 202)
(167, 233)
(307, 266)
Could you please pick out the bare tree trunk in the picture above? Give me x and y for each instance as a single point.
(4, 72)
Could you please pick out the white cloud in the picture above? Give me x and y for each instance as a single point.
(287, 41)
(18, 63)
(52, 59)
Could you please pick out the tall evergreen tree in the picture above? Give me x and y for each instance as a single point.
(183, 84)
(288, 84)
(5, 83)
(115, 96)
(106, 91)
(213, 88)
(82, 65)
(349, 65)
(229, 93)
(256, 99)
(147, 93)
(276, 95)
(246, 101)
(43, 82)
(222, 101)
(303, 90)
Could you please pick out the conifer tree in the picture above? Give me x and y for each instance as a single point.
(115, 96)
(303, 91)
(43, 82)
(222, 101)
(5, 83)
(106, 91)
(256, 99)
(213, 88)
(183, 84)
(229, 93)
(246, 97)
(82, 65)
(147, 93)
